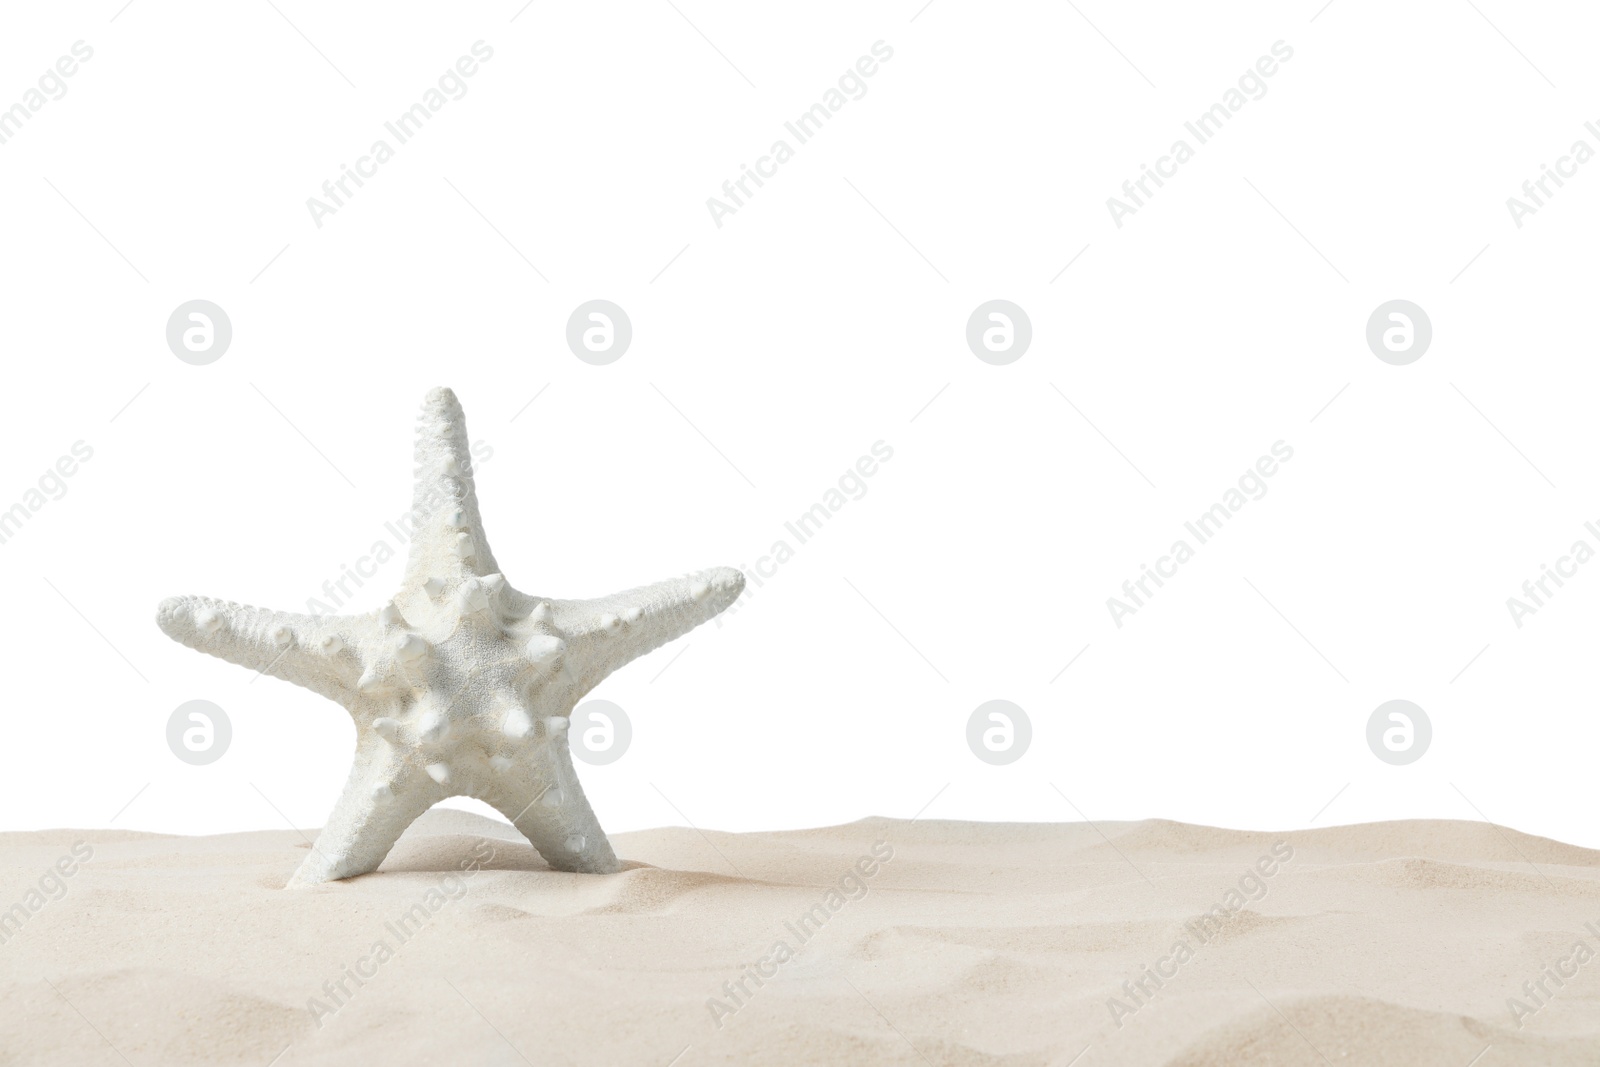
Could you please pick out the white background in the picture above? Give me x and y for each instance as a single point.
(827, 314)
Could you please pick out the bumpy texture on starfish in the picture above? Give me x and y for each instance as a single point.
(460, 685)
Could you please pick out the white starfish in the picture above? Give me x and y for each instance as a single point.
(461, 685)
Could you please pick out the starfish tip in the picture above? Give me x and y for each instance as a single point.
(728, 580)
(169, 611)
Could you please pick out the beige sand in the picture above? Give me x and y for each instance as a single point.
(1394, 943)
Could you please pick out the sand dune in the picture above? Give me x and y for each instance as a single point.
(878, 942)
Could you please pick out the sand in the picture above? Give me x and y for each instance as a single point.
(883, 941)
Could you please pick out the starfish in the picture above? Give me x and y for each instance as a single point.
(460, 685)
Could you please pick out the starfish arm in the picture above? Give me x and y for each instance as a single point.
(382, 796)
(608, 632)
(447, 538)
(317, 653)
(554, 815)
